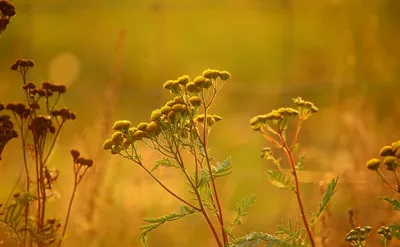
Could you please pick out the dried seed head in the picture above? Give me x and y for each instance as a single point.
(155, 115)
(373, 164)
(121, 125)
(171, 115)
(108, 144)
(224, 75)
(386, 151)
(75, 154)
(195, 101)
(142, 126)
(168, 84)
(1, 107)
(183, 80)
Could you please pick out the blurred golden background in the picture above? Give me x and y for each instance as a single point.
(343, 55)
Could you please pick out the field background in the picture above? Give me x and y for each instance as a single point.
(343, 55)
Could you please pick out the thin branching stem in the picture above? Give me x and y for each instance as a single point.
(297, 191)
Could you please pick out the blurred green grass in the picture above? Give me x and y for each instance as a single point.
(342, 55)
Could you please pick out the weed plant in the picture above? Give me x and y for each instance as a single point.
(37, 122)
(180, 130)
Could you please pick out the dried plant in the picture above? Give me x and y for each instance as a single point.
(38, 122)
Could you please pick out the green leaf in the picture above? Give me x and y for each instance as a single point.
(299, 165)
(242, 209)
(330, 191)
(291, 234)
(255, 238)
(155, 222)
(395, 230)
(222, 169)
(280, 180)
(164, 162)
(394, 202)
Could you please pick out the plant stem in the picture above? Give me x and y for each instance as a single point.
(168, 190)
(298, 195)
(204, 144)
(70, 204)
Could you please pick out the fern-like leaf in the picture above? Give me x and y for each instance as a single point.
(394, 202)
(164, 162)
(280, 180)
(242, 210)
(155, 222)
(291, 233)
(255, 238)
(330, 191)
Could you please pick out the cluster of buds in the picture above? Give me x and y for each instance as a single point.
(41, 125)
(7, 10)
(358, 236)
(178, 116)
(385, 233)
(19, 109)
(46, 90)
(274, 117)
(205, 81)
(390, 156)
(81, 161)
(22, 65)
(281, 116)
(7, 131)
(64, 113)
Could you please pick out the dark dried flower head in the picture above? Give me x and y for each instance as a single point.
(7, 8)
(75, 154)
(2, 107)
(41, 92)
(30, 85)
(373, 164)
